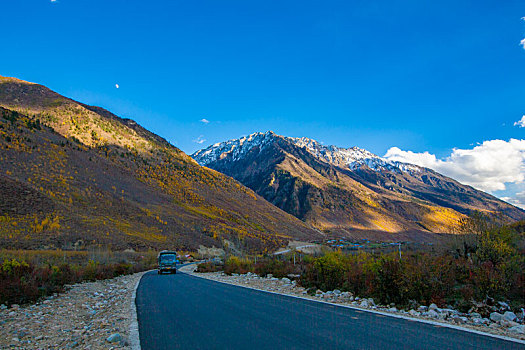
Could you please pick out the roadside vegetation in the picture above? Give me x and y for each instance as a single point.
(28, 275)
(485, 264)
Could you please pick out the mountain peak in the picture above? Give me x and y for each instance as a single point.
(352, 158)
(233, 148)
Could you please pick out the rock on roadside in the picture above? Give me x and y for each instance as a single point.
(83, 317)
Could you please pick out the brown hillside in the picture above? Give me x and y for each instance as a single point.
(77, 175)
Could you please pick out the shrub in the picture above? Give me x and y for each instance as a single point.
(419, 277)
(388, 280)
(275, 267)
(209, 266)
(237, 265)
(24, 282)
(493, 248)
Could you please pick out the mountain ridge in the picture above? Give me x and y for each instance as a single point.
(340, 189)
(352, 157)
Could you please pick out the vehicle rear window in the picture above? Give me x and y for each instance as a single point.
(168, 258)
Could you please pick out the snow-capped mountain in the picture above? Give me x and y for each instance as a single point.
(347, 190)
(352, 158)
(235, 149)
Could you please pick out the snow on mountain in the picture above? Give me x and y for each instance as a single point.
(352, 158)
(235, 148)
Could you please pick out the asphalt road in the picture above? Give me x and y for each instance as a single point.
(185, 312)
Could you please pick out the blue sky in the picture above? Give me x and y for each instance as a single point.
(422, 76)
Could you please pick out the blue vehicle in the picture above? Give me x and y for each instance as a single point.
(167, 261)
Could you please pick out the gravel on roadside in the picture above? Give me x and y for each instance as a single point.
(90, 315)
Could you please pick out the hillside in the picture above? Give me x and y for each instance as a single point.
(349, 191)
(78, 176)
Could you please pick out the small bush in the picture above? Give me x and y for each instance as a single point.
(209, 266)
(25, 282)
(275, 267)
(237, 265)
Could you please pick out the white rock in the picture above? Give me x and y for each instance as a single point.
(474, 315)
(413, 312)
(337, 292)
(477, 320)
(114, 338)
(496, 317)
(520, 329)
(506, 323)
(459, 319)
(364, 303)
(433, 307)
(509, 316)
(503, 305)
(432, 313)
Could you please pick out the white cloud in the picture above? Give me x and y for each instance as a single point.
(204, 120)
(522, 43)
(117, 86)
(518, 199)
(200, 139)
(488, 166)
(521, 122)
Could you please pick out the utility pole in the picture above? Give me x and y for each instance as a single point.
(294, 258)
(399, 250)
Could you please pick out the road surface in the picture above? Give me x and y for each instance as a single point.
(186, 312)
